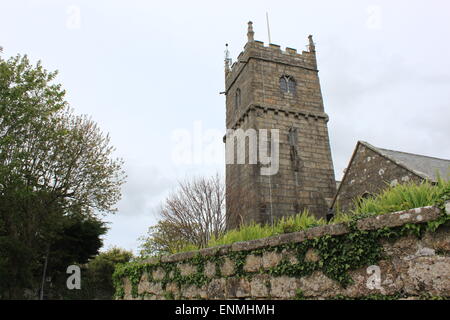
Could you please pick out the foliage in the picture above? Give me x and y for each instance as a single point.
(77, 242)
(245, 233)
(101, 268)
(53, 165)
(297, 222)
(337, 256)
(165, 238)
(253, 231)
(397, 198)
(15, 269)
(134, 271)
(191, 215)
(341, 217)
(96, 277)
(46, 147)
(402, 197)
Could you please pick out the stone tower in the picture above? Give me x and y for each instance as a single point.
(267, 88)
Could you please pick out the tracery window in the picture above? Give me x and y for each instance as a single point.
(287, 84)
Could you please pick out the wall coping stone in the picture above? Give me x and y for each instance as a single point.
(399, 218)
(394, 219)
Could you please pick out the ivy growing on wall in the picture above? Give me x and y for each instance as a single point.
(337, 255)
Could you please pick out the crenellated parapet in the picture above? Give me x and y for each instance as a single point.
(271, 53)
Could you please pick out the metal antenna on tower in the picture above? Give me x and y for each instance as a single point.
(268, 27)
(227, 55)
(227, 61)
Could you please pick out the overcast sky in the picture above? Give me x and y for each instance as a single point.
(150, 72)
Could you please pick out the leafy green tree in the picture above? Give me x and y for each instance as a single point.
(101, 269)
(96, 276)
(164, 238)
(53, 164)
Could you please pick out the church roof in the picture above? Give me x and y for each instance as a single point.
(426, 167)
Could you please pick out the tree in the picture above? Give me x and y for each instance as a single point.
(190, 215)
(76, 243)
(96, 277)
(101, 269)
(53, 164)
(164, 238)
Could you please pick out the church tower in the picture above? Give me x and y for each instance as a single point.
(268, 88)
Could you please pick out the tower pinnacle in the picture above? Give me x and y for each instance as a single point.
(250, 33)
(312, 46)
(227, 59)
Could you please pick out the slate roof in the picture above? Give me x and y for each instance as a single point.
(427, 167)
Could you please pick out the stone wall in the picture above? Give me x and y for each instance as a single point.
(380, 255)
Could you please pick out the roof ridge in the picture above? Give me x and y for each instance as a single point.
(396, 161)
(414, 154)
(405, 160)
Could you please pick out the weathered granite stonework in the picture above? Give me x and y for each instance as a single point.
(254, 101)
(373, 169)
(409, 265)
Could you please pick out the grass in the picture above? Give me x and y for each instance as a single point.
(187, 247)
(401, 197)
(245, 233)
(253, 231)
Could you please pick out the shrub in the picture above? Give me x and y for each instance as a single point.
(402, 197)
(247, 232)
(397, 198)
(253, 230)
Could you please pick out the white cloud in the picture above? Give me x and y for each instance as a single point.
(145, 69)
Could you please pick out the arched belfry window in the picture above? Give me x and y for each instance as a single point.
(237, 98)
(287, 84)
